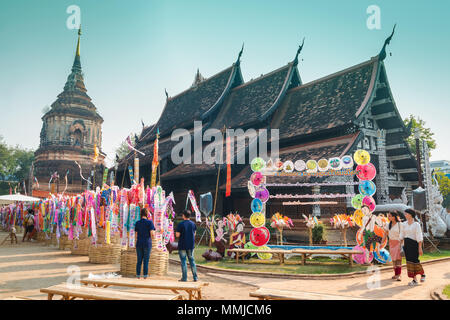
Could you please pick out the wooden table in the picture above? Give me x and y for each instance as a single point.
(241, 253)
(193, 289)
(275, 294)
(91, 293)
(347, 253)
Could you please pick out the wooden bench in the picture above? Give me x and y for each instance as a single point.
(275, 294)
(346, 253)
(241, 253)
(91, 293)
(193, 289)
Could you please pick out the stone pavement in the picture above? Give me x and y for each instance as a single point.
(437, 275)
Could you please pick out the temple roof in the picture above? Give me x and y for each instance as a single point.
(183, 109)
(252, 101)
(330, 102)
(334, 147)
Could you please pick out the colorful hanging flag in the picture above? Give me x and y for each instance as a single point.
(155, 161)
(228, 185)
(130, 146)
(194, 206)
(130, 171)
(105, 176)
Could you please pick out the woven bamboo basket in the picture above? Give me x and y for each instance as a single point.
(65, 243)
(105, 253)
(41, 236)
(158, 263)
(81, 247)
(128, 260)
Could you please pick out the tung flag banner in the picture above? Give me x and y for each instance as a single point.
(228, 185)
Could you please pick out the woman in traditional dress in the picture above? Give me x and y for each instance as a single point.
(395, 248)
(412, 238)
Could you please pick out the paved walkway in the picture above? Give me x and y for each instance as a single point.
(437, 274)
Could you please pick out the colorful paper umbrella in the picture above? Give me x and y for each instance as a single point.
(311, 165)
(256, 178)
(288, 166)
(264, 255)
(257, 220)
(367, 188)
(361, 157)
(278, 164)
(256, 205)
(366, 172)
(357, 201)
(335, 163)
(370, 202)
(300, 165)
(258, 164)
(259, 236)
(364, 258)
(347, 162)
(383, 257)
(323, 165)
(262, 194)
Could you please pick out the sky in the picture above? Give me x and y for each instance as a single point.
(132, 50)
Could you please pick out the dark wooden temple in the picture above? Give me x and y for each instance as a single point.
(329, 117)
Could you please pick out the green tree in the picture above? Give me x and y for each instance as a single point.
(444, 187)
(123, 150)
(15, 163)
(425, 133)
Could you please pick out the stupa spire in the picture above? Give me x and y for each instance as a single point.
(77, 62)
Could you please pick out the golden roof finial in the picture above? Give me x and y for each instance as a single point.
(78, 44)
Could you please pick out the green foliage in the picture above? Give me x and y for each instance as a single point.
(318, 233)
(444, 187)
(15, 164)
(425, 133)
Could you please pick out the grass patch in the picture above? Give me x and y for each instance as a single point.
(317, 265)
(447, 291)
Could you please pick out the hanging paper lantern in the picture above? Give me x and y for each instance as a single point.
(257, 205)
(256, 178)
(257, 220)
(361, 157)
(335, 163)
(300, 165)
(370, 202)
(259, 236)
(347, 162)
(262, 194)
(364, 258)
(288, 166)
(367, 188)
(357, 201)
(257, 164)
(311, 165)
(366, 172)
(251, 189)
(384, 256)
(323, 165)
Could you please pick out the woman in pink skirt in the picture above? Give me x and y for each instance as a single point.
(393, 231)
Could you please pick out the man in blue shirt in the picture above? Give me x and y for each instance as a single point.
(145, 232)
(186, 232)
